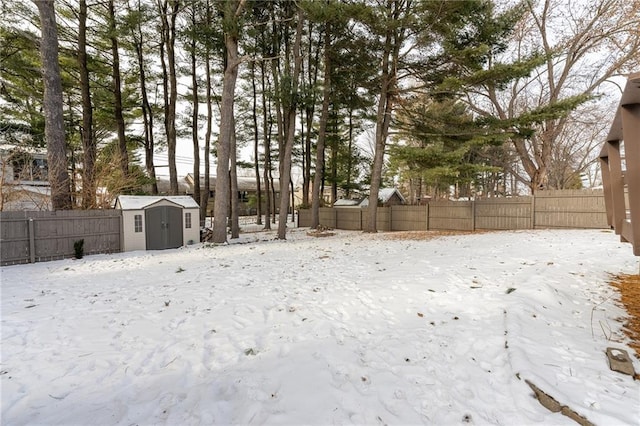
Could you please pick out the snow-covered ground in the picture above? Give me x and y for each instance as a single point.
(344, 329)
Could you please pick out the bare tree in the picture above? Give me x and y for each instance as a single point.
(572, 40)
(53, 108)
(578, 145)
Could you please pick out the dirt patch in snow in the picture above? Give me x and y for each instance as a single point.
(425, 235)
(321, 231)
(629, 287)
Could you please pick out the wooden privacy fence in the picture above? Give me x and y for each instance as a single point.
(548, 209)
(35, 236)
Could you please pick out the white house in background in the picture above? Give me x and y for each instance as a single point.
(151, 222)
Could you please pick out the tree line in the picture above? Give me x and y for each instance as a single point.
(477, 95)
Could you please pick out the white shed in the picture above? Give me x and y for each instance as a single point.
(152, 222)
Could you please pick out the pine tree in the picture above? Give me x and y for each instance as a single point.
(53, 108)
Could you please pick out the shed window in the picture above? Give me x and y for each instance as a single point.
(187, 220)
(137, 223)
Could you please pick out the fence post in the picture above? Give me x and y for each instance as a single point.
(32, 242)
(533, 211)
(121, 219)
(428, 216)
(473, 215)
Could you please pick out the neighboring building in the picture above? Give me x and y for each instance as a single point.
(247, 193)
(348, 203)
(164, 186)
(386, 196)
(152, 222)
(24, 181)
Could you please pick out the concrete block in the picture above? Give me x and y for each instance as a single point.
(619, 361)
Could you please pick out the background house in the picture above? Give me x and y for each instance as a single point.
(152, 222)
(247, 193)
(386, 196)
(24, 181)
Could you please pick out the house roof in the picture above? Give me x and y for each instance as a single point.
(164, 186)
(384, 195)
(27, 197)
(139, 202)
(245, 183)
(344, 202)
(35, 151)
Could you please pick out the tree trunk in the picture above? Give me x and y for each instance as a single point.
(233, 176)
(88, 142)
(306, 158)
(390, 55)
(194, 115)
(147, 111)
(162, 10)
(204, 196)
(285, 175)
(170, 42)
(381, 139)
(266, 134)
(350, 155)
(227, 126)
(322, 132)
(169, 80)
(256, 144)
(280, 135)
(312, 79)
(117, 93)
(334, 161)
(53, 109)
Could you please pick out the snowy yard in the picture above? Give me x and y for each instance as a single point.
(345, 329)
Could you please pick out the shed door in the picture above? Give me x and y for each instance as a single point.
(164, 227)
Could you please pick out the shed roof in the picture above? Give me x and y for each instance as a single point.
(139, 202)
